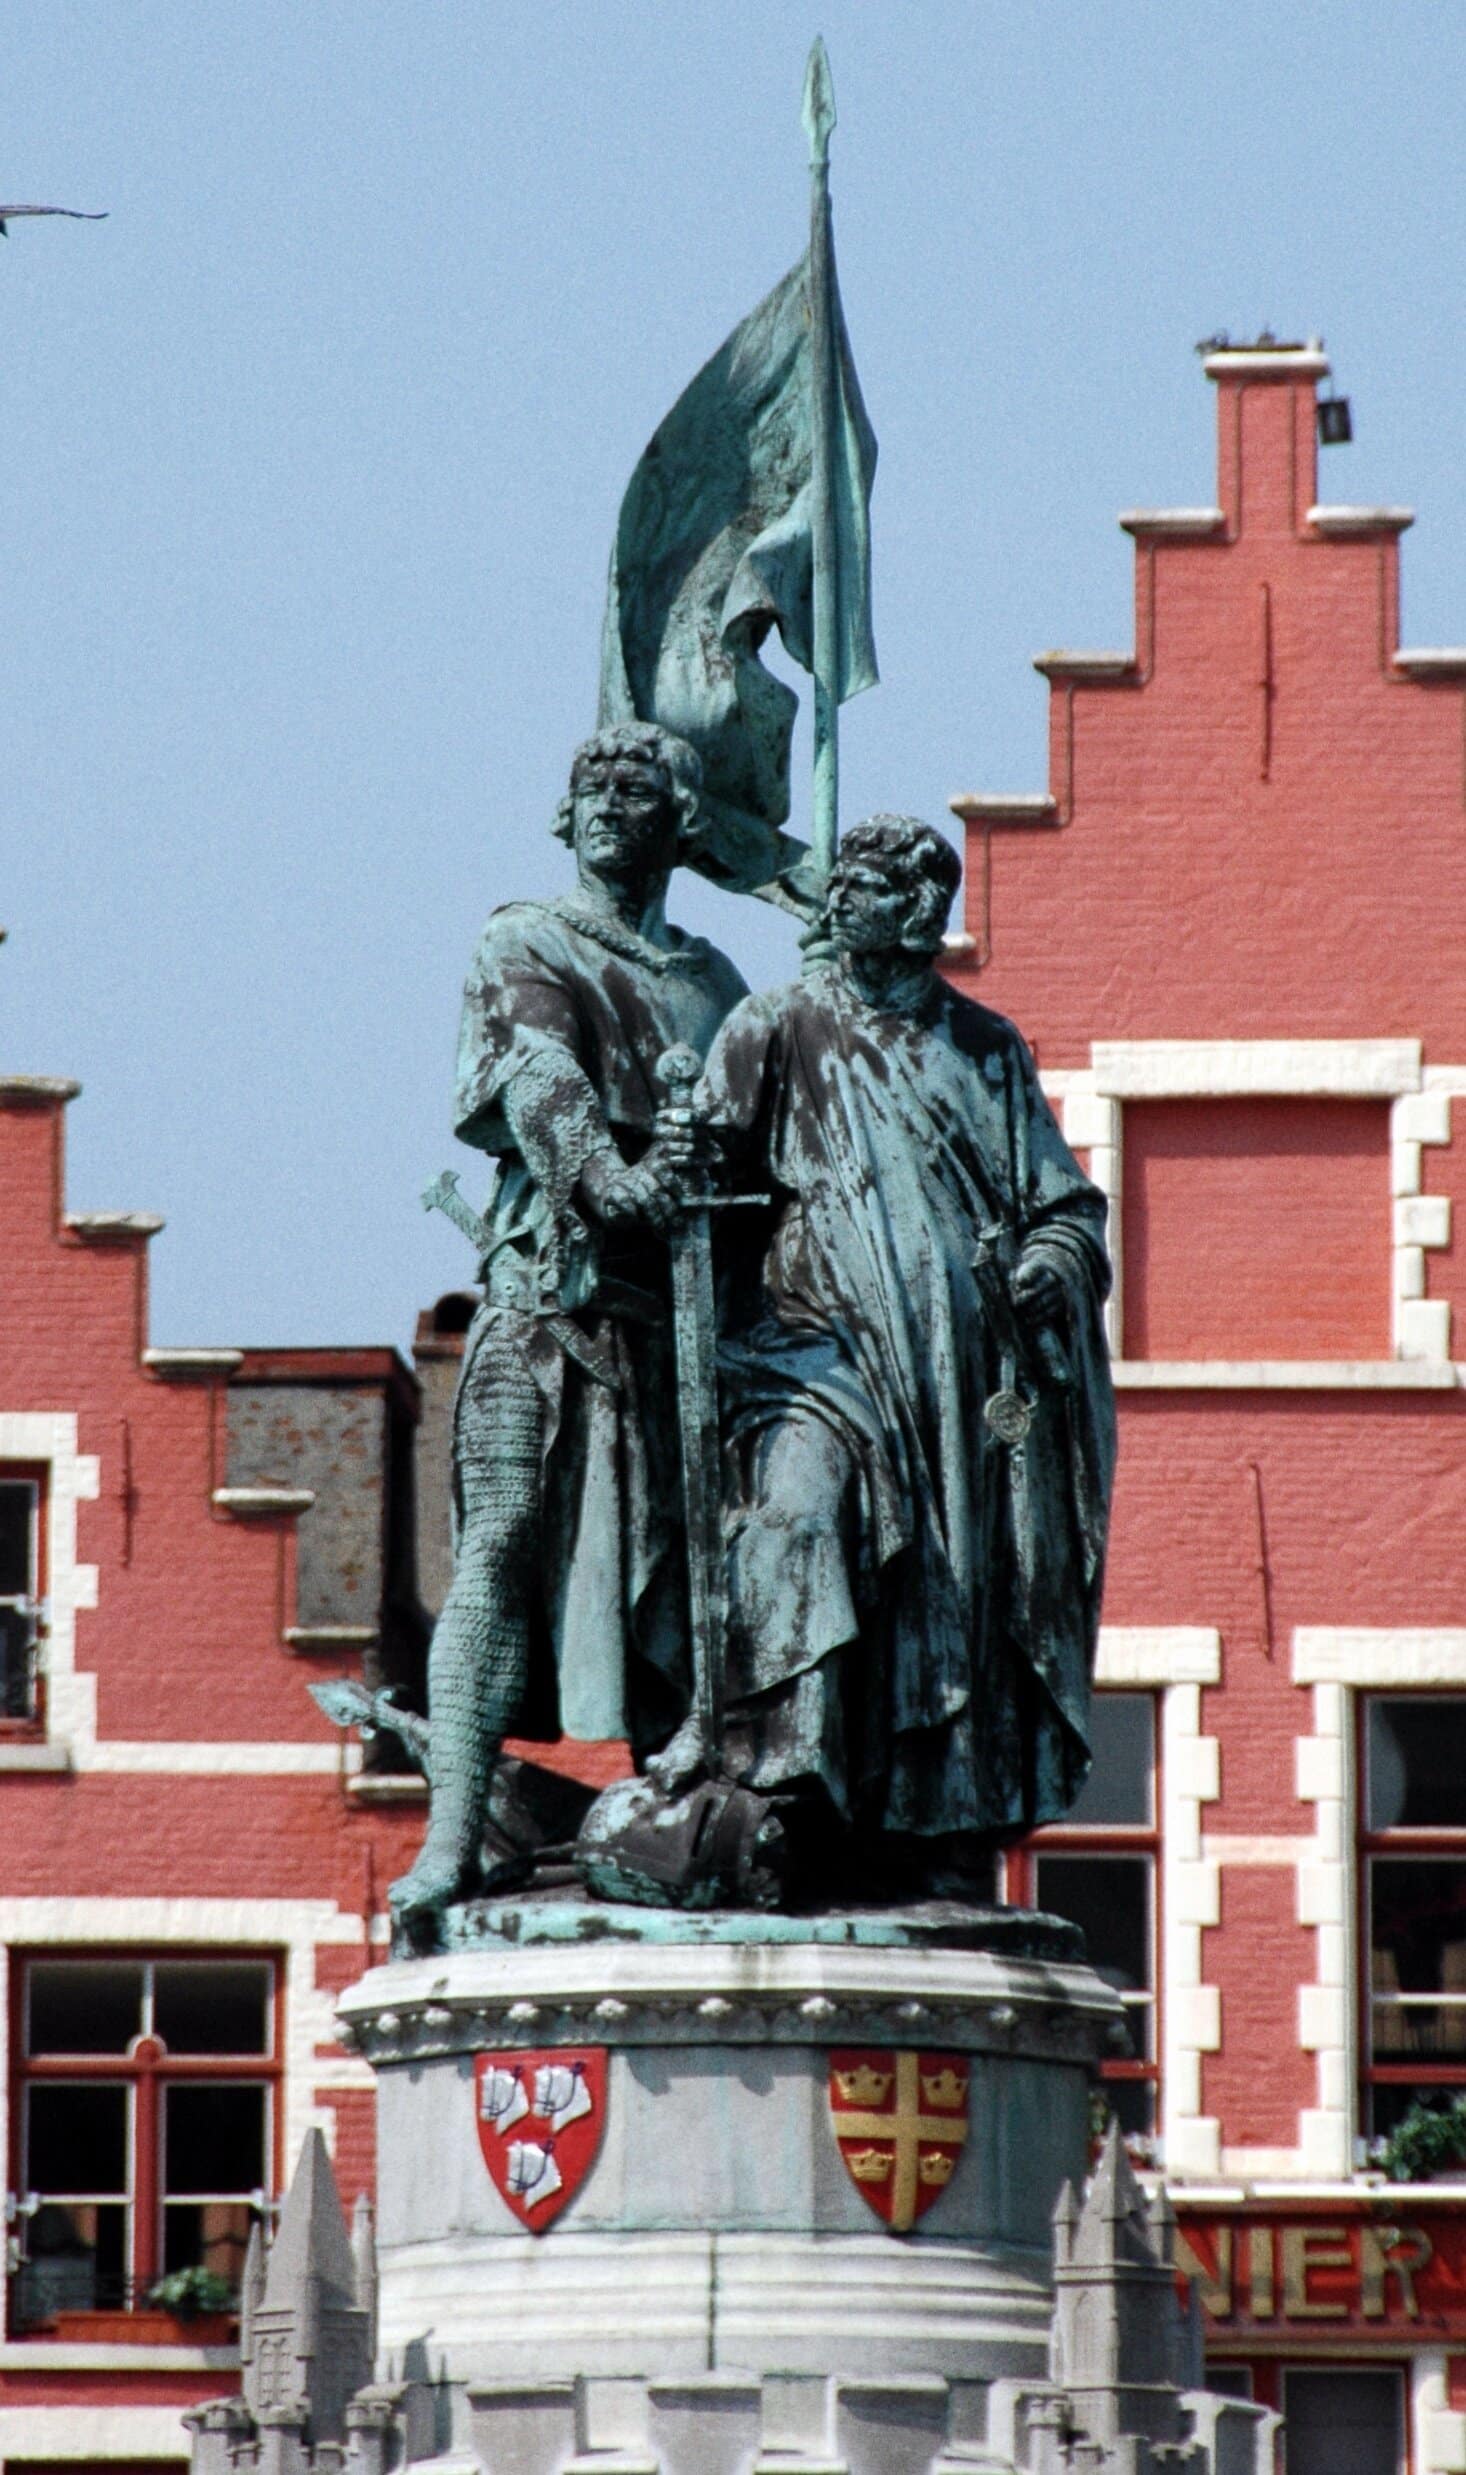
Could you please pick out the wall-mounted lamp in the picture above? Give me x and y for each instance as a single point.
(1335, 428)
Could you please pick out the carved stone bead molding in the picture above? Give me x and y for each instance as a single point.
(793, 1994)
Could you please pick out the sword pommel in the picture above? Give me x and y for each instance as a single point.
(436, 1198)
(679, 1069)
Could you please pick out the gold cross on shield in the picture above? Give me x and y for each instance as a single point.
(903, 2129)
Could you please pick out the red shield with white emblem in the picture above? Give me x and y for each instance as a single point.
(540, 2119)
(900, 2120)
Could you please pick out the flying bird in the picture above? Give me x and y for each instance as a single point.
(78, 214)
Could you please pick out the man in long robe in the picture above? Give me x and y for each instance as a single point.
(567, 1612)
(916, 1390)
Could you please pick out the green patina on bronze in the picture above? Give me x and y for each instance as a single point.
(805, 1499)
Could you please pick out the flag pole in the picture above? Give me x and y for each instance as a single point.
(819, 119)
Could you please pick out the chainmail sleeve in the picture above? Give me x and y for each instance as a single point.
(554, 1120)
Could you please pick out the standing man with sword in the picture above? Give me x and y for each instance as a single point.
(567, 1613)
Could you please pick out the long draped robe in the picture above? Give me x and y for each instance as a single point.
(922, 1647)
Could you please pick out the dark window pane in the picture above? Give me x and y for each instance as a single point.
(1403, 2029)
(84, 2006)
(1344, 2423)
(1108, 1898)
(212, 2006)
(1391, 2100)
(17, 1663)
(1417, 1762)
(77, 2139)
(1122, 1737)
(74, 2262)
(207, 2234)
(17, 1527)
(214, 2138)
(1132, 2102)
(1417, 1925)
(1229, 2380)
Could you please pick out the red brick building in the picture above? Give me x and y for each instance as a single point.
(192, 1863)
(1235, 930)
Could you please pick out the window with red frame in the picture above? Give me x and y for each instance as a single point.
(21, 1585)
(145, 2127)
(1098, 1867)
(1413, 1883)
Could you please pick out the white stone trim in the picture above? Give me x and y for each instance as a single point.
(1158, 1655)
(1440, 2432)
(103, 1225)
(1326, 1894)
(1190, 1891)
(1420, 1326)
(66, 2433)
(1431, 661)
(50, 1436)
(1378, 1657)
(262, 1503)
(1092, 1125)
(1285, 1374)
(1004, 808)
(37, 1090)
(1420, 1114)
(1344, 522)
(1187, 523)
(53, 2355)
(192, 1365)
(198, 1757)
(1222, 1069)
(1280, 361)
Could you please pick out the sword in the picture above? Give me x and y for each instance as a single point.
(694, 1324)
(1008, 1412)
(443, 1196)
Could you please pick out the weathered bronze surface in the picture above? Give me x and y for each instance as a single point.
(784, 1437)
(568, 1605)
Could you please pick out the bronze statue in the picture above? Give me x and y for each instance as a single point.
(567, 1610)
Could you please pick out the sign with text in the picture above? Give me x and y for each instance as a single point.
(1372, 2273)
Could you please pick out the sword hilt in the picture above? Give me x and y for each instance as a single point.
(443, 1196)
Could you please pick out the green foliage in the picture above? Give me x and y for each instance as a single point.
(1426, 2141)
(189, 2292)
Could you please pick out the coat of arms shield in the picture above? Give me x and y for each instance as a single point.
(900, 2120)
(540, 2117)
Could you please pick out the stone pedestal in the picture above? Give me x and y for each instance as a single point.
(718, 2231)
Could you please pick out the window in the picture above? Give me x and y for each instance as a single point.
(146, 2125)
(1098, 1868)
(20, 1595)
(1344, 2422)
(1414, 1891)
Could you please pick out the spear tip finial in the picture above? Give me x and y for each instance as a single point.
(818, 109)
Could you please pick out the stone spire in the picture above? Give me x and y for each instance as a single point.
(310, 2331)
(1117, 2331)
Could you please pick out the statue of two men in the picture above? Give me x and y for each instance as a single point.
(915, 1396)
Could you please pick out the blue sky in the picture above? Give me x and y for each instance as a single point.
(313, 453)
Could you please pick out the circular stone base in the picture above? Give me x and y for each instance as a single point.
(714, 2224)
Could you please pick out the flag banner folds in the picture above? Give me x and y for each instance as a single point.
(713, 548)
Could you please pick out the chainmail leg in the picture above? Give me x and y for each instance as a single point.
(478, 1663)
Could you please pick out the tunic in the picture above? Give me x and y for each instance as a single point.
(565, 1015)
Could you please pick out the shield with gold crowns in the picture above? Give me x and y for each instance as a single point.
(900, 2120)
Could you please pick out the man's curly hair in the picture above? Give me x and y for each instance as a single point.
(675, 763)
(913, 855)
